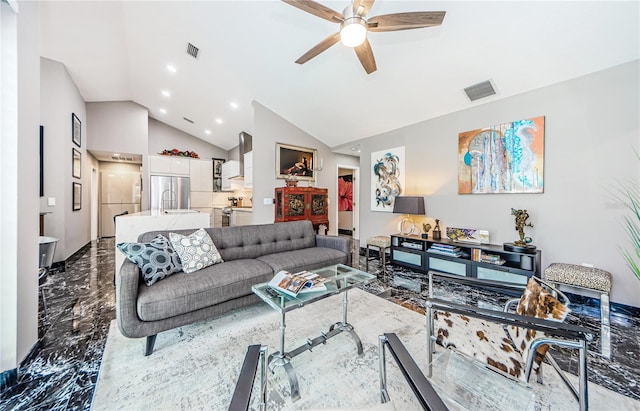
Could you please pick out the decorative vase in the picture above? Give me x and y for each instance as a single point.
(291, 181)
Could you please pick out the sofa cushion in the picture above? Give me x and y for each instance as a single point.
(304, 259)
(196, 250)
(212, 285)
(157, 259)
(251, 241)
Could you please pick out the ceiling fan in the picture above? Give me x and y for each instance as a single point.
(354, 25)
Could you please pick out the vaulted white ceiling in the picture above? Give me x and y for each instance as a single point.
(119, 51)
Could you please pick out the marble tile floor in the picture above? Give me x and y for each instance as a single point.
(62, 372)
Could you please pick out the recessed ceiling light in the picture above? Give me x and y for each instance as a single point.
(219, 120)
(166, 93)
(163, 111)
(207, 132)
(233, 105)
(171, 68)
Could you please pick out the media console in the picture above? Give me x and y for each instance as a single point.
(483, 261)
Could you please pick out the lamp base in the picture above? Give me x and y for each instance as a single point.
(406, 226)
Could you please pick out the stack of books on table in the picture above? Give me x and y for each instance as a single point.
(492, 259)
(445, 249)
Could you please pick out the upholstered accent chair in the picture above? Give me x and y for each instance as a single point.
(514, 343)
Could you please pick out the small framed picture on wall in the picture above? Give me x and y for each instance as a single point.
(77, 196)
(76, 163)
(76, 130)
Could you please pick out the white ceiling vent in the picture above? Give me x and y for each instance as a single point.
(480, 90)
(122, 158)
(192, 50)
(187, 119)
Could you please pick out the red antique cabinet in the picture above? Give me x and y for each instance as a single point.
(302, 203)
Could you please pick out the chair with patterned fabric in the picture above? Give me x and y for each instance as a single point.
(513, 343)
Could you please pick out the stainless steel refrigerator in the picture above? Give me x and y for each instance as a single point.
(170, 192)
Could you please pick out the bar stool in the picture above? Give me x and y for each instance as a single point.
(382, 242)
(592, 280)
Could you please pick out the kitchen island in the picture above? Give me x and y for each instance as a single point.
(130, 226)
(241, 216)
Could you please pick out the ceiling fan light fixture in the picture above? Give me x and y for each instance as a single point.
(353, 31)
(353, 34)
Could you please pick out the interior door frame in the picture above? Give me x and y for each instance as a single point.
(356, 198)
(95, 232)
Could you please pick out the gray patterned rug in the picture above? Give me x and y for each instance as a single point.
(196, 366)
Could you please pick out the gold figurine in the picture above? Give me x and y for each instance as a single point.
(521, 222)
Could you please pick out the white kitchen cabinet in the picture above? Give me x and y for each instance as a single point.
(241, 217)
(201, 173)
(119, 192)
(169, 165)
(248, 170)
(217, 217)
(180, 165)
(160, 165)
(231, 169)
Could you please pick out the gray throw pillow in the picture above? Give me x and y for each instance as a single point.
(196, 251)
(157, 259)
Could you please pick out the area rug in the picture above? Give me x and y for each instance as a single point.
(196, 366)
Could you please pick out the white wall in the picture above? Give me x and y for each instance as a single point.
(118, 126)
(269, 129)
(19, 182)
(162, 136)
(592, 130)
(59, 98)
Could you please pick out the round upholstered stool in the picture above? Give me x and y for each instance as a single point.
(382, 243)
(592, 280)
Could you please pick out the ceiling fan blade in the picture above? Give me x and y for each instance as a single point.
(365, 55)
(316, 9)
(366, 4)
(405, 21)
(319, 48)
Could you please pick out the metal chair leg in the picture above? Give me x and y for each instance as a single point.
(605, 322)
(367, 259)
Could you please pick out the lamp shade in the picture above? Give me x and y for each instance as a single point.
(409, 205)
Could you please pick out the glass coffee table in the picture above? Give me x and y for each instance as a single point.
(341, 278)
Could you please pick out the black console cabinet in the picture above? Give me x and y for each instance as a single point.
(484, 261)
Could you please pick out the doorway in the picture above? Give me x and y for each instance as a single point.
(347, 187)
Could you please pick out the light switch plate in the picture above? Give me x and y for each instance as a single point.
(267, 201)
(51, 201)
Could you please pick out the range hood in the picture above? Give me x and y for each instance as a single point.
(245, 145)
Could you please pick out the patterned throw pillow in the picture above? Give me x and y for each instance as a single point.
(536, 302)
(196, 251)
(156, 259)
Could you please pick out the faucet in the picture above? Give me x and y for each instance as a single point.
(172, 198)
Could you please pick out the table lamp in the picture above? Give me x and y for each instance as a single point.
(409, 205)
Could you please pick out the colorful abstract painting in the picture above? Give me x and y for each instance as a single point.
(387, 178)
(507, 158)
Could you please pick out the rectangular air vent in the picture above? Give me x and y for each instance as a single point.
(187, 119)
(121, 158)
(192, 50)
(480, 90)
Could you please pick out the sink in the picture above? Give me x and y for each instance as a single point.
(180, 211)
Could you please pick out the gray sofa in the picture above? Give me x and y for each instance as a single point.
(252, 254)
